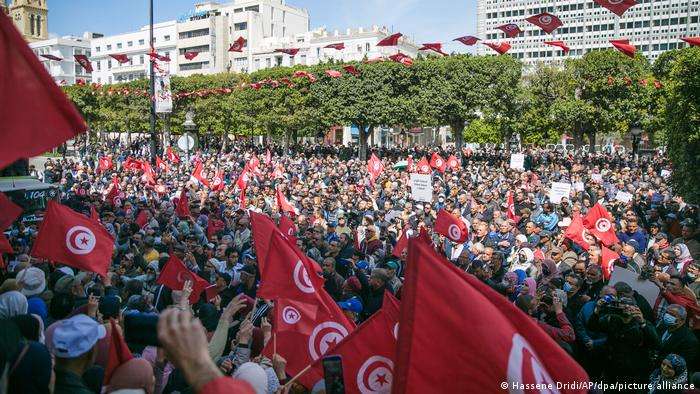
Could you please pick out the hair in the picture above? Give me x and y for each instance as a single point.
(578, 280)
(622, 287)
(523, 302)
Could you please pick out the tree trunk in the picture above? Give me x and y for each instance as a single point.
(362, 147)
(591, 139)
(287, 138)
(458, 135)
(295, 136)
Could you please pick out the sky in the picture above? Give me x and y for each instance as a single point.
(422, 20)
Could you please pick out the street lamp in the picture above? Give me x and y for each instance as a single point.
(189, 127)
(636, 132)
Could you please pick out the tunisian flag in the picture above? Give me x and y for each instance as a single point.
(511, 208)
(119, 352)
(73, 239)
(501, 47)
(512, 348)
(288, 228)
(197, 174)
(390, 41)
(510, 29)
(9, 212)
(600, 223)
(375, 167)
(577, 232)
(545, 21)
(450, 226)
(368, 353)
(283, 204)
(453, 162)
(262, 228)
(163, 166)
(175, 274)
(625, 47)
(438, 163)
(104, 163)
(401, 243)
(618, 7)
(607, 257)
(36, 116)
(114, 195)
(423, 166)
(182, 209)
(217, 184)
(171, 155)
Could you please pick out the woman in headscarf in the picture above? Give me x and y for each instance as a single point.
(514, 282)
(135, 375)
(529, 287)
(549, 271)
(31, 370)
(683, 258)
(12, 303)
(673, 371)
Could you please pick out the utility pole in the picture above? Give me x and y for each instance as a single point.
(154, 138)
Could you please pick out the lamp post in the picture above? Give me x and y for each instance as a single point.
(636, 132)
(189, 127)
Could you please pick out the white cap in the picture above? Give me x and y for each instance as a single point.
(32, 280)
(76, 336)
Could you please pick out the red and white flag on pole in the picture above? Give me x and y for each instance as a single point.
(163, 166)
(510, 213)
(114, 195)
(401, 243)
(423, 166)
(182, 208)
(599, 222)
(453, 162)
(608, 258)
(451, 226)
(175, 274)
(438, 163)
(104, 163)
(171, 155)
(375, 167)
(198, 174)
(217, 184)
(288, 228)
(577, 232)
(513, 350)
(73, 239)
(283, 204)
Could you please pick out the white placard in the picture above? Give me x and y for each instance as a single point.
(163, 95)
(597, 178)
(578, 186)
(421, 187)
(559, 190)
(645, 288)
(623, 196)
(665, 173)
(185, 142)
(517, 161)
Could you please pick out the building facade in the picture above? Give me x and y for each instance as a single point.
(66, 71)
(31, 17)
(653, 26)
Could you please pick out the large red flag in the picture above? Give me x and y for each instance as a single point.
(73, 239)
(453, 162)
(243, 178)
(618, 7)
(119, 352)
(175, 274)
(9, 212)
(438, 339)
(149, 176)
(374, 167)
(390, 41)
(238, 45)
(197, 174)
(339, 46)
(262, 228)
(561, 44)
(438, 163)
(120, 57)
(401, 243)
(511, 208)
(692, 41)
(608, 257)
(423, 166)
(182, 209)
(451, 226)
(217, 184)
(577, 232)
(283, 204)
(501, 47)
(36, 116)
(104, 163)
(84, 62)
(625, 47)
(163, 166)
(368, 353)
(190, 55)
(467, 40)
(288, 228)
(545, 21)
(510, 29)
(114, 195)
(600, 224)
(171, 155)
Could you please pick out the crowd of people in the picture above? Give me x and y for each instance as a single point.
(56, 320)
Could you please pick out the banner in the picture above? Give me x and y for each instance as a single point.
(517, 161)
(559, 190)
(421, 187)
(623, 196)
(164, 97)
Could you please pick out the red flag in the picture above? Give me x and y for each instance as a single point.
(453, 162)
(692, 41)
(600, 223)
(171, 155)
(339, 46)
(401, 243)
(545, 21)
(182, 209)
(197, 174)
(512, 348)
(625, 47)
(175, 274)
(510, 29)
(120, 57)
(119, 352)
(351, 70)
(93, 214)
(5, 246)
(190, 55)
(217, 184)
(334, 73)
(131, 164)
(451, 226)
(289, 51)
(618, 7)
(287, 227)
(375, 167)
(163, 166)
(438, 163)
(283, 204)
(142, 218)
(368, 353)
(9, 212)
(511, 208)
(268, 158)
(262, 228)
(424, 166)
(237, 45)
(560, 44)
(149, 176)
(51, 57)
(409, 164)
(104, 163)
(253, 163)
(607, 259)
(390, 41)
(243, 178)
(577, 232)
(501, 47)
(155, 56)
(36, 116)
(435, 46)
(114, 196)
(214, 225)
(402, 58)
(84, 62)
(467, 40)
(71, 238)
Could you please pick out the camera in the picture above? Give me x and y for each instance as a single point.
(611, 305)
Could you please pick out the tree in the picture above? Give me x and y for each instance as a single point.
(683, 123)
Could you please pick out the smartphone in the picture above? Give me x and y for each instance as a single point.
(333, 374)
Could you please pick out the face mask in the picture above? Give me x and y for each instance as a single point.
(567, 287)
(669, 319)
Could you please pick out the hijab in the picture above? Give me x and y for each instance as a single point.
(531, 286)
(12, 303)
(136, 373)
(30, 369)
(685, 254)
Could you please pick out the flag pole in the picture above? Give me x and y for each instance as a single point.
(297, 376)
(252, 319)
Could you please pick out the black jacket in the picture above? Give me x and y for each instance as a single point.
(682, 342)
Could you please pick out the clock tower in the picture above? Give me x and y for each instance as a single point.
(31, 18)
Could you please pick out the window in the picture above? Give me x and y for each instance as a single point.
(109, 64)
(99, 79)
(194, 66)
(268, 62)
(141, 59)
(119, 45)
(166, 38)
(240, 26)
(31, 24)
(130, 44)
(142, 42)
(238, 10)
(254, 8)
(99, 64)
(110, 79)
(194, 33)
(278, 60)
(367, 47)
(303, 59)
(201, 48)
(359, 48)
(109, 47)
(97, 49)
(78, 70)
(38, 25)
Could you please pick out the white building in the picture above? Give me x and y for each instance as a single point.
(65, 71)
(653, 26)
(135, 45)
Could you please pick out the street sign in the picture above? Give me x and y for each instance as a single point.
(185, 142)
